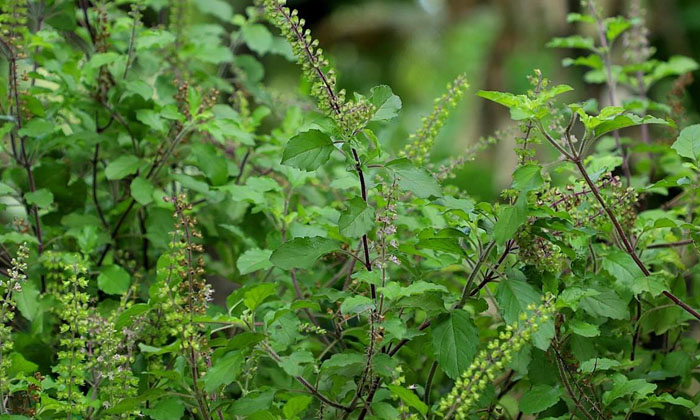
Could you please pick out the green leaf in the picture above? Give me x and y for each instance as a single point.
(36, 128)
(293, 364)
(413, 179)
(308, 150)
(253, 260)
(121, 167)
(211, 163)
(140, 88)
(302, 252)
(616, 26)
(510, 218)
(224, 371)
(527, 178)
(357, 219)
(575, 41)
(113, 280)
(514, 296)
(623, 269)
(217, 8)
(257, 295)
(356, 304)
(539, 398)
(594, 365)
(387, 105)
(624, 121)
(605, 304)
(688, 143)
(42, 198)
(584, 329)
(455, 342)
(295, 406)
(258, 37)
(28, 301)
(142, 190)
(151, 119)
(622, 386)
(409, 398)
(168, 408)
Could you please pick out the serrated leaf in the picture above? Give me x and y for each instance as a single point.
(308, 150)
(455, 342)
(357, 219)
(302, 252)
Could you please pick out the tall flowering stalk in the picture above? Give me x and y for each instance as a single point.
(74, 312)
(492, 360)
(8, 288)
(418, 150)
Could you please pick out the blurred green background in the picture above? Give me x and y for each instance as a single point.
(418, 46)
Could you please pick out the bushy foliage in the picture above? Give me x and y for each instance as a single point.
(146, 162)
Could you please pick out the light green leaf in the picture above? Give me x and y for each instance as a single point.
(142, 190)
(42, 198)
(36, 128)
(413, 179)
(113, 280)
(387, 104)
(688, 143)
(140, 88)
(584, 329)
(295, 406)
(510, 218)
(308, 150)
(151, 118)
(258, 37)
(293, 364)
(357, 219)
(409, 398)
(257, 295)
(594, 365)
(455, 342)
(167, 408)
(121, 167)
(356, 304)
(253, 260)
(302, 252)
(575, 41)
(527, 178)
(514, 296)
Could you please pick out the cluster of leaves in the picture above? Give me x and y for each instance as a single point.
(146, 164)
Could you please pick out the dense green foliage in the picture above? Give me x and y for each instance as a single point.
(146, 164)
